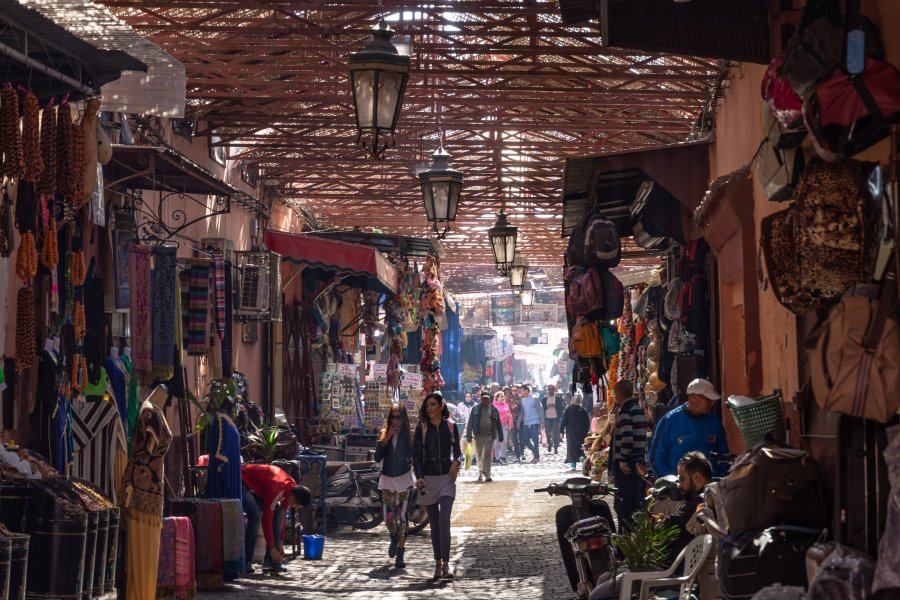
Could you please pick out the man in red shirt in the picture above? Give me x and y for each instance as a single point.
(268, 493)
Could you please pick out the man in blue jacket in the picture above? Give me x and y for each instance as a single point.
(691, 426)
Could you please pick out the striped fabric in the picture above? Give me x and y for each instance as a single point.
(198, 308)
(219, 261)
(96, 442)
(630, 443)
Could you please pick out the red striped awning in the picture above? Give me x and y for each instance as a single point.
(361, 266)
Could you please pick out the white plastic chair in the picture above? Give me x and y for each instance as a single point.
(692, 557)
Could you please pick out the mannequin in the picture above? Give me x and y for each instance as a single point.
(142, 496)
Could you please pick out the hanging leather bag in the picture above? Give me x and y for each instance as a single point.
(779, 160)
(853, 363)
(586, 291)
(586, 339)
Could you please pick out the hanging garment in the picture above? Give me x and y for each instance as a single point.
(227, 341)
(44, 415)
(141, 322)
(198, 308)
(163, 307)
(133, 403)
(118, 378)
(96, 441)
(221, 291)
(94, 316)
(224, 447)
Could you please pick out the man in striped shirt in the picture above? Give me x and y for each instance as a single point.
(628, 454)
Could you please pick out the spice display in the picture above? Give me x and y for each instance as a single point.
(6, 231)
(26, 345)
(47, 186)
(26, 257)
(10, 139)
(31, 139)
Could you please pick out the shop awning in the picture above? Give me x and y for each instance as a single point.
(60, 46)
(404, 245)
(611, 182)
(359, 266)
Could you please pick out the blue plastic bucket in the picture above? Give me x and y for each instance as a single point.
(313, 545)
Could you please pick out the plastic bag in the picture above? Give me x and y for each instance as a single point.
(780, 592)
(845, 575)
(468, 463)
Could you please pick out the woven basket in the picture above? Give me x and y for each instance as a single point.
(761, 421)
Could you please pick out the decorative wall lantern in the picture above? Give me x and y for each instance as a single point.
(503, 243)
(527, 294)
(378, 75)
(517, 272)
(441, 187)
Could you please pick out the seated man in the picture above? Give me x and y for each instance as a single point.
(694, 474)
(270, 491)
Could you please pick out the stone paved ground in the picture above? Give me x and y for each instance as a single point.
(503, 546)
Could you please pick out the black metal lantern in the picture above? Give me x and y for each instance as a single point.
(441, 187)
(378, 75)
(503, 243)
(526, 296)
(517, 272)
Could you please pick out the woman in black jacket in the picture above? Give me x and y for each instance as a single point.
(395, 448)
(575, 425)
(436, 459)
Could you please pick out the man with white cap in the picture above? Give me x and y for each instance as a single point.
(691, 426)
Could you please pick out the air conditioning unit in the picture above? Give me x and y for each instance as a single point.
(223, 245)
(257, 281)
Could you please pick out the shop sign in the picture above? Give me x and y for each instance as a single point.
(411, 381)
(379, 372)
(345, 370)
(540, 314)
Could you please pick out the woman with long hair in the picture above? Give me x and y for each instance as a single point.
(506, 423)
(395, 449)
(436, 459)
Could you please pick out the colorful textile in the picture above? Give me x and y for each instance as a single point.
(141, 324)
(198, 308)
(208, 538)
(219, 261)
(163, 303)
(118, 377)
(176, 560)
(232, 538)
(133, 404)
(394, 506)
(224, 448)
(94, 435)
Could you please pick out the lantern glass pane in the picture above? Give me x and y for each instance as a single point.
(510, 247)
(455, 189)
(426, 197)
(363, 96)
(527, 297)
(389, 85)
(441, 191)
(499, 247)
(517, 275)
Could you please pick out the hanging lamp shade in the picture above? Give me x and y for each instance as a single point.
(441, 188)
(503, 242)
(378, 75)
(527, 294)
(517, 272)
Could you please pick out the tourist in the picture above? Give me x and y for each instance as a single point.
(530, 421)
(268, 493)
(461, 418)
(553, 409)
(436, 459)
(501, 443)
(691, 426)
(484, 426)
(394, 448)
(627, 454)
(574, 424)
(515, 409)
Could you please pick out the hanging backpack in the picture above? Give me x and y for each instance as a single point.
(594, 242)
(779, 159)
(853, 362)
(694, 304)
(778, 93)
(612, 340)
(586, 292)
(846, 115)
(613, 297)
(586, 340)
(693, 259)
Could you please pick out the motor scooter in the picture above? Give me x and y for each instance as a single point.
(584, 531)
(352, 495)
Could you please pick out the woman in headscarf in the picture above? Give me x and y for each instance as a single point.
(575, 424)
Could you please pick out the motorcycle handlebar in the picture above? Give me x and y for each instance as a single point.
(539, 490)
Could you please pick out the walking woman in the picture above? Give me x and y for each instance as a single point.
(506, 422)
(575, 425)
(395, 448)
(436, 458)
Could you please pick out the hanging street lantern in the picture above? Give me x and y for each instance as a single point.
(503, 243)
(526, 296)
(441, 187)
(517, 272)
(378, 75)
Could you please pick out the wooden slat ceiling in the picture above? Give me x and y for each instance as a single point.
(513, 91)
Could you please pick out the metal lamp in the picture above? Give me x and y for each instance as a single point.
(503, 243)
(526, 296)
(441, 187)
(378, 76)
(517, 272)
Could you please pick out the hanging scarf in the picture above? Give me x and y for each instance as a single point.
(219, 261)
(141, 325)
(227, 363)
(232, 537)
(198, 308)
(163, 302)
